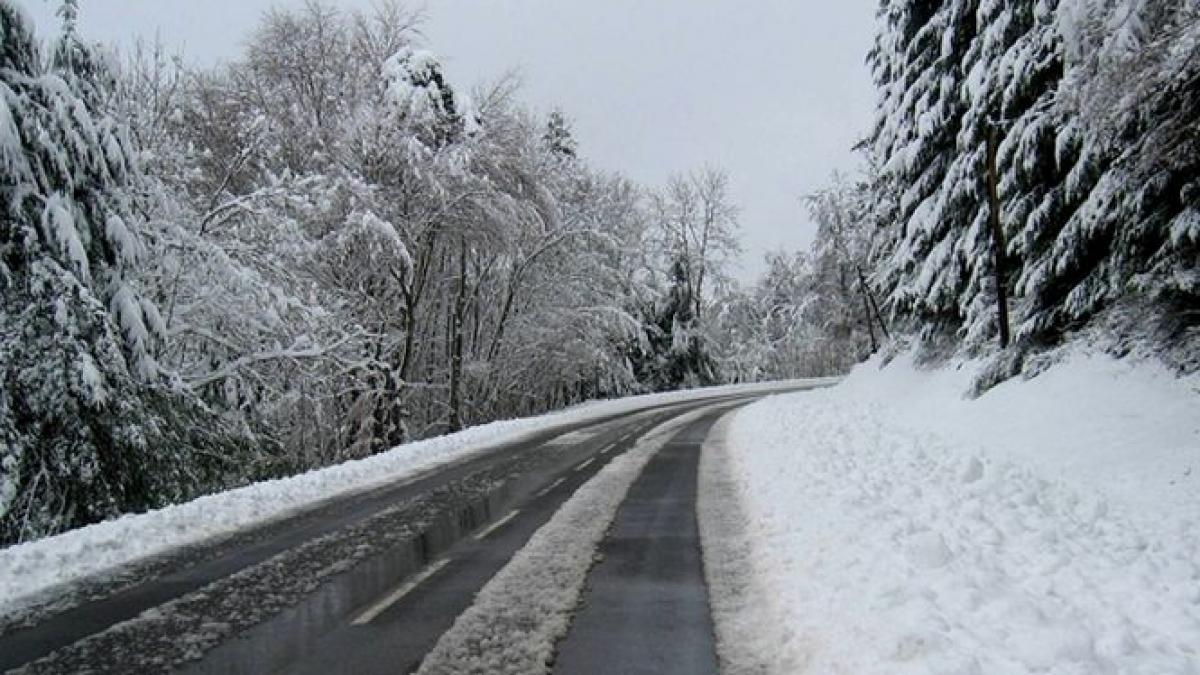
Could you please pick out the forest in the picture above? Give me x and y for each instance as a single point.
(323, 248)
(1074, 125)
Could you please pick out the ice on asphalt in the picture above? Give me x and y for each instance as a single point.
(891, 525)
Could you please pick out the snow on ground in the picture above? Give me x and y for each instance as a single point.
(28, 572)
(889, 525)
(743, 616)
(520, 614)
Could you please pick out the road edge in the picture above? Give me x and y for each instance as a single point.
(742, 610)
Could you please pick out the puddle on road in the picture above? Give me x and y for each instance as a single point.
(295, 632)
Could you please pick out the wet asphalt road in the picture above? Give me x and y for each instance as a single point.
(245, 604)
(382, 637)
(368, 583)
(646, 608)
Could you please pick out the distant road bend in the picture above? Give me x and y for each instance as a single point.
(368, 583)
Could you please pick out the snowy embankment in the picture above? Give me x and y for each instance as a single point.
(889, 525)
(31, 571)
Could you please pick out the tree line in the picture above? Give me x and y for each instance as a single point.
(1031, 178)
(314, 253)
(325, 248)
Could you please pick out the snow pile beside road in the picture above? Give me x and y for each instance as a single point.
(744, 617)
(28, 572)
(1051, 526)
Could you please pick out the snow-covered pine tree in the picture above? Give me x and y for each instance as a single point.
(917, 65)
(1096, 202)
(973, 65)
(558, 137)
(421, 99)
(1133, 94)
(1000, 64)
(76, 338)
(677, 353)
(1014, 67)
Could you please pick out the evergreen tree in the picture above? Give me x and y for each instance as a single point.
(1084, 227)
(917, 64)
(78, 428)
(558, 138)
(675, 353)
(421, 100)
(1131, 93)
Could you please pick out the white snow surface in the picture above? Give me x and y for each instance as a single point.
(746, 640)
(520, 614)
(891, 525)
(30, 571)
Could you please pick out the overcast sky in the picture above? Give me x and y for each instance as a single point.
(774, 91)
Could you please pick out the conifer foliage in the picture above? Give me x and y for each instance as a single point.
(78, 431)
(1094, 105)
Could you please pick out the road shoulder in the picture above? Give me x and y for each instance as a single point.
(741, 608)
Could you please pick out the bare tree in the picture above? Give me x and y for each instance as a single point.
(841, 250)
(698, 227)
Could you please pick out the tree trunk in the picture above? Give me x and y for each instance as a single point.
(879, 316)
(873, 307)
(410, 330)
(456, 341)
(413, 293)
(867, 316)
(505, 310)
(998, 243)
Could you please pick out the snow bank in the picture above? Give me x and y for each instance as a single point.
(526, 608)
(743, 615)
(893, 526)
(28, 572)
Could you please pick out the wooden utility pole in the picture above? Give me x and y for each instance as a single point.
(999, 246)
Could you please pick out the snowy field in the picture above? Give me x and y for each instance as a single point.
(28, 572)
(888, 525)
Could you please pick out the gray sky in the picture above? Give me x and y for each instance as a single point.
(774, 91)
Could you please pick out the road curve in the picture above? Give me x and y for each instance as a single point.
(305, 594)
